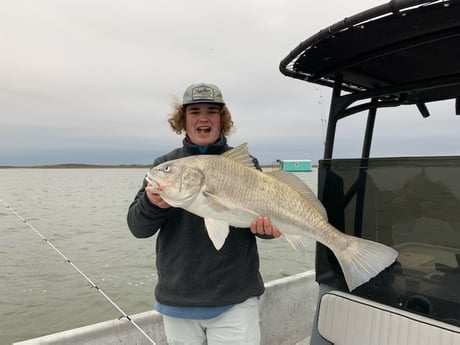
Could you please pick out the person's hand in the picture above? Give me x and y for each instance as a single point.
(263, 226)
(155, 198)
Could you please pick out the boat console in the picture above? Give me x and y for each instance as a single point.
(402, 53)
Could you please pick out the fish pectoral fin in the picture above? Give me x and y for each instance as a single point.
(298, 242)
(217, 231)
(217, 203)
(220, 205)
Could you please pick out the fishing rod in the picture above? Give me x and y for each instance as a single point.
(124, 315)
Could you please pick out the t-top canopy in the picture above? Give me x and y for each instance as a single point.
(409, 50)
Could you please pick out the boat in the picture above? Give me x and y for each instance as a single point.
(285, 308)
(401, 53)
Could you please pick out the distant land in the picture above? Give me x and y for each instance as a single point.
(75, 166)
(89, 166)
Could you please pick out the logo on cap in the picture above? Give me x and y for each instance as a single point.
(202, 93)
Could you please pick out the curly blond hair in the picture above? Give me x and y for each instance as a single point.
(177, 119)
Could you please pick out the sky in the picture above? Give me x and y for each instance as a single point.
(92, 81)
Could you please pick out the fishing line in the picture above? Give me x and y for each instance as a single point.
(323, 115)
(124, 315)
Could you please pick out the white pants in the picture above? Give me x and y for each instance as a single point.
(237, 326)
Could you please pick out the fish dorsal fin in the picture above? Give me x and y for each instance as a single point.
(241, 155)
(301, 187)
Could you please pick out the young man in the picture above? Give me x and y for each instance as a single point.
(206, 296)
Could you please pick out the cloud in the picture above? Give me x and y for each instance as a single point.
(98, 76)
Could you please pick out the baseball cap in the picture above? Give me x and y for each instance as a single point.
(202, 93)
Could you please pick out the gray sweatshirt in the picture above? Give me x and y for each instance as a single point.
(191, 272)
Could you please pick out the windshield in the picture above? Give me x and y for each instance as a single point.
(411, 204)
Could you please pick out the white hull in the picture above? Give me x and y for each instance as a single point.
(287, 310)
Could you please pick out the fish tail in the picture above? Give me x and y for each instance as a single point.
(363, 260)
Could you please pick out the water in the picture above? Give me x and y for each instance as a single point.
(83, 213)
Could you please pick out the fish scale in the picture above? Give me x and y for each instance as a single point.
(227, 190)
(287, 207)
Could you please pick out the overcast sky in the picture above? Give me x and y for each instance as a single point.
(91, 81)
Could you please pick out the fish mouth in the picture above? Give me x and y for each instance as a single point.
(154, 187)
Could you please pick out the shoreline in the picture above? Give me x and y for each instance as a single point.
(95, 166)
(76, 166)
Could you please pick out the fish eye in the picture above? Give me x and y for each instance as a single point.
(167, 168)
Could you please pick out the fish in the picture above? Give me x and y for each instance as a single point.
(228, 190)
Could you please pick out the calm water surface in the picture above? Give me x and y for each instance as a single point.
(83, 213)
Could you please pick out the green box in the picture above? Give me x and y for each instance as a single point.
(295, 165)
